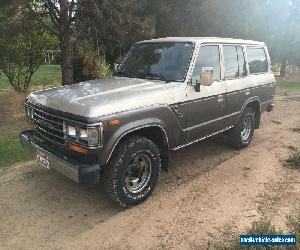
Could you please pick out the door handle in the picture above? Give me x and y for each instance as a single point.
(220, 98)
(248, 91)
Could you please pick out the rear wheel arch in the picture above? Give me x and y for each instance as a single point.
(255, 105)
(240, 135)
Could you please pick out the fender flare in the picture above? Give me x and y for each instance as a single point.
(257, 115)
(252, 99)
(133, 129)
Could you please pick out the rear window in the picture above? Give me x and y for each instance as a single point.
(257, 60)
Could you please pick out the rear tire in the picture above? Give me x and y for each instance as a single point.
(240, 135)
(132, 173)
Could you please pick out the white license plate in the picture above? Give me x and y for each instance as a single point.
(42, 159)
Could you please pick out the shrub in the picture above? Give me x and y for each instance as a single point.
(21, 54)
(88, 65)
(294, 160)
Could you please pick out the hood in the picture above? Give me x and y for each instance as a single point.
(105, 96)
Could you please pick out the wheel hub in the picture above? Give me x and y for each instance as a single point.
(246, 130)
(138, 173)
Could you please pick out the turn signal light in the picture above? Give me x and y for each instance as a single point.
(78, 149)
(115, 122)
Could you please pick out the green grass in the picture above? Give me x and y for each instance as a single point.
(294, 160)
(11, 149)
(45, 75)
(288, 85)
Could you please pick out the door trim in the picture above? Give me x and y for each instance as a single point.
(211, 121)
(202, 138)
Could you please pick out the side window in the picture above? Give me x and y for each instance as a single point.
(257, 60)
(230, 61)
(208, 56)
(242, 62)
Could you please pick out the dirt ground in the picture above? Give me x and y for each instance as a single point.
(210, 192)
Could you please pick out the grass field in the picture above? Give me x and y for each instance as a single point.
(45, 75)
(289, 85)
(11, 150)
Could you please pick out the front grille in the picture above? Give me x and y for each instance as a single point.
(48, 125)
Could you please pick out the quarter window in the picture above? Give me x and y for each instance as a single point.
(208, 56)
(257, 60)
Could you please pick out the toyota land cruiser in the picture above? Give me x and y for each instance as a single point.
(166, 94)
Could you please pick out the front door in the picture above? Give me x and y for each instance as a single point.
(206, 109)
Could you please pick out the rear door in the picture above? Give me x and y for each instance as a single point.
(205, 109)
(237, 83)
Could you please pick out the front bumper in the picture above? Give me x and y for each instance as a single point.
(71, 168)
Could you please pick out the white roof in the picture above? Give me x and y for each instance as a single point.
(205, 40)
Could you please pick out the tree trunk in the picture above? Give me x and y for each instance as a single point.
(283, 68)
(66, 43)
(67, 60)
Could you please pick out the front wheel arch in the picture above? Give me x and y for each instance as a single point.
(156, 133)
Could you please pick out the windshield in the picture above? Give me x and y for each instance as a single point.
(167, 61)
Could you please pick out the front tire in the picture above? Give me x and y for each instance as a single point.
(132, 173)
(241, 134)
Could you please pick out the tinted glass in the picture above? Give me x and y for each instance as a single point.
(231, 62)
(257, 60)
(157, 61)
(242, 62)
(208, 56)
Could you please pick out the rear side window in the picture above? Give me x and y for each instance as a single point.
(235, 65)
(257, 60)
(242, 62)
(231, 62)
(208, 56)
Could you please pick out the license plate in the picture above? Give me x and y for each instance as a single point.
(42, 159)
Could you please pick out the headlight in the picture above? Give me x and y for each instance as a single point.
(94, 136)
(90, 135)
(83, 134)
(87, 136)
(71, 131)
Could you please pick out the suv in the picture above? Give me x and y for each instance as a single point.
(166, 94)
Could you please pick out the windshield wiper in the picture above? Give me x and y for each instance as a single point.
(155, 77)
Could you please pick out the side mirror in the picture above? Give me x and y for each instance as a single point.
(206, 78)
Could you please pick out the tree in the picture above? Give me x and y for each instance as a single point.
(112, 27)
(21, 55)
(58, 17)
(88, 65)
(273, 21)
(22, 46)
